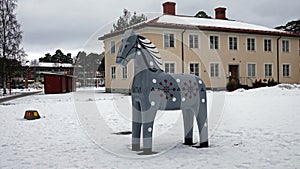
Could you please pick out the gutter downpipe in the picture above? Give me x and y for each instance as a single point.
(278, 59)
(182, 51)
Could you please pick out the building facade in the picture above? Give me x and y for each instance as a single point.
(218, 50)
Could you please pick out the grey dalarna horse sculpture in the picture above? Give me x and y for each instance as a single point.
(153, 89)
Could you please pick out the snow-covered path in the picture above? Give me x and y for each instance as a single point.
(258, 129)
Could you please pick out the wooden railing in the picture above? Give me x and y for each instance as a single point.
(247, 81)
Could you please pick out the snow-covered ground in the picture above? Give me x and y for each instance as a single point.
(256, 128)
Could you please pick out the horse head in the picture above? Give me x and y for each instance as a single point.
(127, 49)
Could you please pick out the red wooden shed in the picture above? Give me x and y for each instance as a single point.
(57, 83)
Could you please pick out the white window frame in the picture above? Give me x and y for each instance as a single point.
(113, 74)
(125, 72)
(233, 43)
(289, 71)
(192, 41)
(167, 42)
(214, 45)
(266, 72)
(112, 47)
(248, 46)
(199, 68)
(214, 70)
(255, 71)
(268, 45)
(170, 63)
(286, 48)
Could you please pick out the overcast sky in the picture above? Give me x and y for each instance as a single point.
(73, 25)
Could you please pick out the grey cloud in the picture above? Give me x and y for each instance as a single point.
(70, 23)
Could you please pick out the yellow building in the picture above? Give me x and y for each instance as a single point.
(218, 50)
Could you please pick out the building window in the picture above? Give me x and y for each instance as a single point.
(214, 70)
(193, 41)
(268, 70)
(214, 42)
(169, 40)
(113, 72)
(170, 67)
(251, 70)
(124, 72)
(286, 70)
(233, 43)
(112, 47)
(250, 44)
(285, 46)
(267, 45)
(194, 69)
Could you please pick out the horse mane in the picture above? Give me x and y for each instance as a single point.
(152, 50)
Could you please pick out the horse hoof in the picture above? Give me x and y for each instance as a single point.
(147, 151)
(136, 147)
(188, 141)
(202, 145)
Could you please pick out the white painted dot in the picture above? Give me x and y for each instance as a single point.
(177, 80)
(154, 81)
(205, 124)
(139, 46)
(150, 129)
(174, 99)
(139, 52)
(151, 63)
(183, 99)
(152, 103)
(200, 82)
(203, 100)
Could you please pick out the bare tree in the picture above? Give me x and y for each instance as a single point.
(10, 36)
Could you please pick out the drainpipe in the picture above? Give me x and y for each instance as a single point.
(278, 66)
(182, 51)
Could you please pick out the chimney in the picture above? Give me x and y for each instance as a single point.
(169, 8)
(220, 13)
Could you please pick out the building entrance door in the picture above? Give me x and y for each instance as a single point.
(234, 73)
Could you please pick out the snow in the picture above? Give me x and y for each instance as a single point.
(256, 128)
(46, 64)
(183, 20)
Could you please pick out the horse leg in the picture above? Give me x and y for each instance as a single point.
(201, 118)
(188, 122)
(148, 121)
(136, 126)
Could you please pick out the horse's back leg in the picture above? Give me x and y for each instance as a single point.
(188, 123)
(201, 118)
(136, 126)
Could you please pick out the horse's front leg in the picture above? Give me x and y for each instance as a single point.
(148, 122)
(136, 126)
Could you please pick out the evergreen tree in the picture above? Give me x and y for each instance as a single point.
(102, 63)
(127, 20)
(10, 37)
(202, 14)
(58, 57)
(292, 26)
(135, 19)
